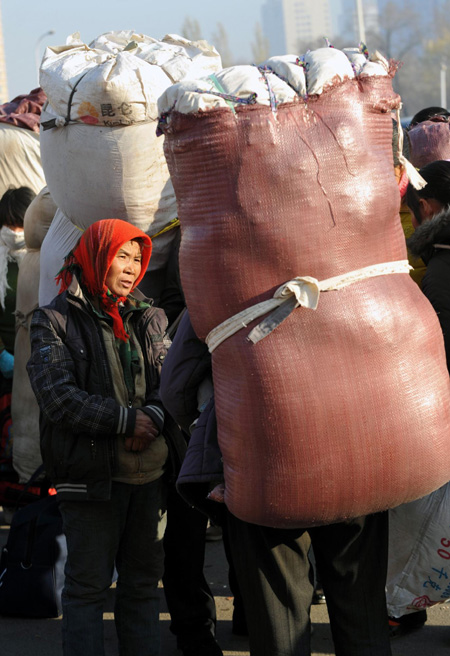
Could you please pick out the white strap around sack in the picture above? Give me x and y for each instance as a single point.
(413, 174)
(300, 291)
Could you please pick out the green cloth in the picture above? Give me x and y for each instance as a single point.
(128, 353)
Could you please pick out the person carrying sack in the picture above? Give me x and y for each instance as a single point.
(96, 355)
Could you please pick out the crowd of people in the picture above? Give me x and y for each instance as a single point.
(129, 441)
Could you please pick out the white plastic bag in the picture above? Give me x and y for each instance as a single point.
(419, 554)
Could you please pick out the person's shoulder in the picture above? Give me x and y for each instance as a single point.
(157, 319)
(53, 313)
(57, 304)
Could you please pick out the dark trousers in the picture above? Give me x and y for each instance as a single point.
(239, 621)
(126, 531)
(276, 581)
(188, 596)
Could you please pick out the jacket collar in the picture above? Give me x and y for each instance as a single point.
(75, 291)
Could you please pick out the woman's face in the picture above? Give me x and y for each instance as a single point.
(125, 269)
(428, 208)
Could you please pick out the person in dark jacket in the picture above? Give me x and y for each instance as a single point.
(96, 356)
(189, 598)
(430, 212)
(187, 393)
(430, 208)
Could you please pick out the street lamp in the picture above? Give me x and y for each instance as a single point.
(360, 13)
(36, 50)
(443, 84)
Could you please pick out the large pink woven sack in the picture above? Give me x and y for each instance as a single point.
(343, 410)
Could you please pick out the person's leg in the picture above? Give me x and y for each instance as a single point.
(239, 622)
(139, 563)
(189, 598)
(275, 578)
(92, 539)
(318, 596)
(352, 560)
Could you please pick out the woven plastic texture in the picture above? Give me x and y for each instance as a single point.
(429, 141)
(324, 419)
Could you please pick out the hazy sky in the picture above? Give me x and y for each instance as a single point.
(26, 21)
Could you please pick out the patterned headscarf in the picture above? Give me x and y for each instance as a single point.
(93, 256)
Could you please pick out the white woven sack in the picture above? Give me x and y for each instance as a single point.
(37, 219)
(25, 424)
(178, 57)
(20, 159)
(419, 554)
(287, 68)
(356, 58)
(98, 173)
(287, 77)
(375, 65)
(324, 66)
(374, 68)
(111, 90)
(240, 82)
(59, 241)
(96, 169)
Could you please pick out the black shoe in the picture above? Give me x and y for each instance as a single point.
(207, 647)
(401, 626)
(239, 621)
(239, 628)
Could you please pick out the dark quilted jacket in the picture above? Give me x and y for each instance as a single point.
(431, 242)
(71, 377)
(187, 363)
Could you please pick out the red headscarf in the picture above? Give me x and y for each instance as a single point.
(94, 254)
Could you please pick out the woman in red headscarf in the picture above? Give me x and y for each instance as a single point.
(96, 355)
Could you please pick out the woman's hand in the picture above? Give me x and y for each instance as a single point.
(145, 432)
(218, 493)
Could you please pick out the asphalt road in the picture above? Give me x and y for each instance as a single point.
(27, 637)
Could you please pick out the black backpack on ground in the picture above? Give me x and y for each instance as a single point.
(32, 561)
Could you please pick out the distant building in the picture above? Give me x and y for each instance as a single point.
(272, 21)
(306, 21)
(347, 19)
(288, 23)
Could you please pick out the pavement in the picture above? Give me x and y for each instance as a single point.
(28, 637)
